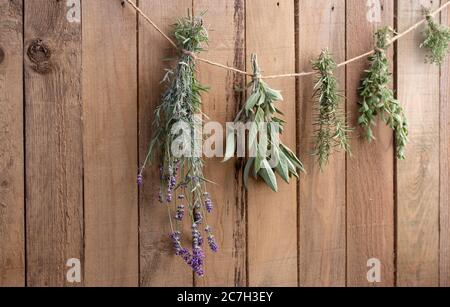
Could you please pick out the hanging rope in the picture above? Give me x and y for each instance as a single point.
(291, 75)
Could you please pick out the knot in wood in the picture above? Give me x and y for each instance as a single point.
(39, 54)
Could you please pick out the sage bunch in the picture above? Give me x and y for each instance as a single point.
(269, 156)
(331, 129)
(437, 40)
(377, 96)
(182, 183)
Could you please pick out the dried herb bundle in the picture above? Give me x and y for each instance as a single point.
(437, 40)
(332, 130)
(183, 185)
(261, 116)
(377, 97)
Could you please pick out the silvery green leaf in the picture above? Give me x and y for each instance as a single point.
(283, 169)
(231, 146)
(252, 101)
(268, 175)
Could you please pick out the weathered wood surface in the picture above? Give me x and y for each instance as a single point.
(54, 142)
(322, 194)
(418, 176)
(370, 172)
(110, 144)
(272, 218)
(79, 81)
(12, 251)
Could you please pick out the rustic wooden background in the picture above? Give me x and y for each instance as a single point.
(76, 102)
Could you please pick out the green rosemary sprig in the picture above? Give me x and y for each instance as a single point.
(377, 96)
(437, 40)
(332, 130)
(261, 115)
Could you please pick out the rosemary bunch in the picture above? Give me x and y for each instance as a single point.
(437, 40)
(332, 130)
(377, 97)
(268, 154)
(183, 185)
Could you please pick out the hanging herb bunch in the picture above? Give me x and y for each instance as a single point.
(331, 128)
(437, 40)
(183, 186)
(377, 96)
(268, 155)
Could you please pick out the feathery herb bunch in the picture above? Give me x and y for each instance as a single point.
(331, 128)
(268, 154)
(377, 96)
(183, 185)
(437, 40)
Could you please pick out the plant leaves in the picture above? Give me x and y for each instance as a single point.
(268, 175)
(231, 146)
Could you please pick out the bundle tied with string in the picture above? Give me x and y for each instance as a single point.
(177, 118)
(268, 155)
(377, 96)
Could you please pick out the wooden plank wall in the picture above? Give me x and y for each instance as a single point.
(12, 253)
(79, 80)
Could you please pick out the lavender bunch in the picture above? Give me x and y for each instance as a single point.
(182, 183)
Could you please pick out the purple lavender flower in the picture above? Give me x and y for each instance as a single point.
(209, 205)
(212, 243)
(176, 237)
(140, 180)
(186, 256)
(200, 240)
(198, 217)
(198, 257)
(180, 213)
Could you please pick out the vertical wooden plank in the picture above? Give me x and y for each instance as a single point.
(322, 195)
(445, 168)
(225, 21)
(54, 156)
(159, 265)
(110, 136)
(272, 217)
(12, 260)
(370, 172)
(418, 176)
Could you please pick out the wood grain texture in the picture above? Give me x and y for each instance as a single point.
(12, 258)
(370, 172)
(159, 265)
(54, 154)
(322, 195)
(418, 176)
(445, 169)
(225, 21)
(110, 138)
(272, 217)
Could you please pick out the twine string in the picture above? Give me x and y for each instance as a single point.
(290, 75)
